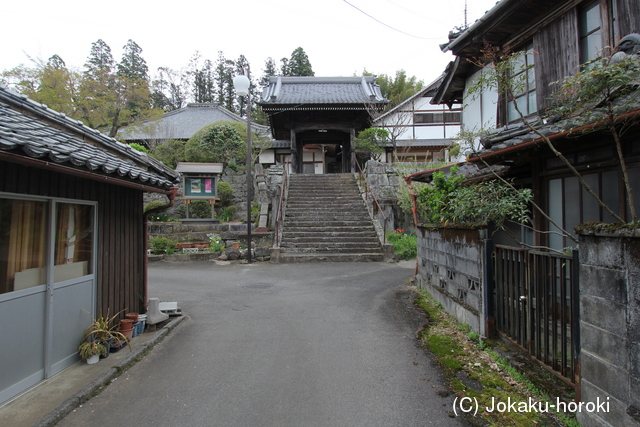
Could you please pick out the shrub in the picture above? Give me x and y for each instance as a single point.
(218, 143)
(200, 209)
(225, 192)
(228, 213)
(405, 245)
(215, 244)
(139, 147)
(170, 152)
(161, 244)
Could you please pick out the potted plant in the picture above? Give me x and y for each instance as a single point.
(102, 332)
(91, 351)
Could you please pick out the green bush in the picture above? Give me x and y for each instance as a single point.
(200, 209)
(170, 152)
(139, 147)
(161, 244)
(216, 143)
(405, 245)
(225, 192)
(153, 205)
(228, 213)
(215, 244)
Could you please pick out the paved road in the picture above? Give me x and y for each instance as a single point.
(280, 345)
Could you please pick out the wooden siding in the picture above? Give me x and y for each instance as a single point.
(120, 233)
(558, 50)
(628, 17)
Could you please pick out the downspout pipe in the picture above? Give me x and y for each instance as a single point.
(171, 194)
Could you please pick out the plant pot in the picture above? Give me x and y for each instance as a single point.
(236, 245)
(107, 345)
(114, 348)
(127, 333)
(93, 359)
(132, 316)
(126, 325)
(134, 330)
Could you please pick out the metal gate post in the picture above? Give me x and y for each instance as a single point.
(575, 323)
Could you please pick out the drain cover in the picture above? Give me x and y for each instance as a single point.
(258, 286)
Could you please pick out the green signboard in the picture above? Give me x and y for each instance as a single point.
(200, 187)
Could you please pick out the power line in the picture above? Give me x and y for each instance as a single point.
(387, 25)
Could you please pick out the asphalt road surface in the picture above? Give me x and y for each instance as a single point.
(329, 344)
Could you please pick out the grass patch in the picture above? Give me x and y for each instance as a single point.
(475, 370)
(405, 245)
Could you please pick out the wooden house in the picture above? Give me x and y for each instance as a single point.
(553, 305)
(314, 120)
(420, 131)
(72, 236)
(555, 39)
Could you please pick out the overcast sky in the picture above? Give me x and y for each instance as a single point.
(383, 36)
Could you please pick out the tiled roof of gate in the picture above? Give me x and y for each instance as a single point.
(33, 130)
(321, 90)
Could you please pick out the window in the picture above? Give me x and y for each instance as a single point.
(590, 32)
(25, 236)
(437, 118)
(571, 205)
(523, 79)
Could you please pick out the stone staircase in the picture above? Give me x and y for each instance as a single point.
(327, 220)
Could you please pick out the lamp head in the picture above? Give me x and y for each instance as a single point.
(241, 85)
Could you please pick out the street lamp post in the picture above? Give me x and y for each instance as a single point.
(241, 83)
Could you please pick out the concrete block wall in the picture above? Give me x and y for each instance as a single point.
(610, 327)
(450, 268)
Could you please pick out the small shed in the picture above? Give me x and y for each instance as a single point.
(72, 236)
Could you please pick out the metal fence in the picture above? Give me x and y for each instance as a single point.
(537, 306)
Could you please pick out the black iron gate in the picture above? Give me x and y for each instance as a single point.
(537, 305)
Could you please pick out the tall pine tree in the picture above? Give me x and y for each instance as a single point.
(297, 65)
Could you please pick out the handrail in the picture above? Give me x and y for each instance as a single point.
(280, 215)
(375, 200)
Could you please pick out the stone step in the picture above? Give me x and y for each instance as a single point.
(333, 246)
(322, 232)
(331, 223)
(287, 250)
(326, 220)
(329, 257)
(293, 239)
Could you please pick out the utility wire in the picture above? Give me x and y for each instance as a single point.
(387, 25)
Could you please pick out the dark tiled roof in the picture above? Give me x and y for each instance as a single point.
(321, 90)
(42, 133)
(183, 123)
(438, 142)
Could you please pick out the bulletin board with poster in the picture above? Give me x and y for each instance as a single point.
(200, 187)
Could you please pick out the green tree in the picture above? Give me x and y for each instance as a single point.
(203, 83)
(297, 65)
(398, 88)
(98, 96)
(217, 143)
(270, 70)
(170, 152)
(133, 93)
(224, 73)
(371, 142)
(169, 91)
